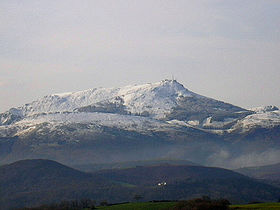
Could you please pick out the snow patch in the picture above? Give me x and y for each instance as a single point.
(193, 122)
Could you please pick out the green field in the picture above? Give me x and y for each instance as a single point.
(166, 205)
(264, 206)
(140, 206)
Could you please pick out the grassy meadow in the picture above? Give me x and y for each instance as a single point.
(167, 205)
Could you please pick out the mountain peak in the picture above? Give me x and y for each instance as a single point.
(171, 82)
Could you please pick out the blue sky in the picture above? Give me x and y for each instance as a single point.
(228, 50)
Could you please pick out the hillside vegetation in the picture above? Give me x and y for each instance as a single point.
(30, 183)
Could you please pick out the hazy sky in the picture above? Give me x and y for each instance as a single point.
(228, 50)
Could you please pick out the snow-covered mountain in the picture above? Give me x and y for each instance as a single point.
(167, 99)
(162, 113)
(157, 99)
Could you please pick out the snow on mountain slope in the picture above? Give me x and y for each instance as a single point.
(126, 122)
(264, 109)
(157, 99)
(267, 119)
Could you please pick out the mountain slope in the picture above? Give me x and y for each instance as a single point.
(171, 174)
(269, 172)
(33, 182)
(132, 164)
(181, 182)
(185, 182)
